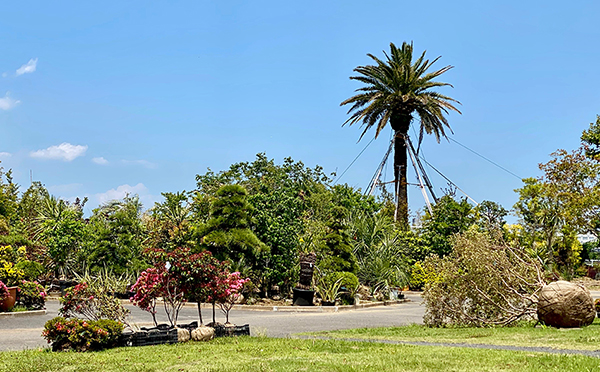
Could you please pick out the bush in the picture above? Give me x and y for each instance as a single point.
(32, 295)
(347, 280)
(93, 303)
(10, 256)
(82, 335)
(419, 277)
(31, 270)
(483, 282)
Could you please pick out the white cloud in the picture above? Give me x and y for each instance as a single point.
(121, 191)
(7, 103)
(5, 154)
(65, 151)
(100, 161)
(143, 163)
(27, 68)
(4, 74)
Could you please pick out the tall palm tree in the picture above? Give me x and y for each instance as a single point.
(395, 90)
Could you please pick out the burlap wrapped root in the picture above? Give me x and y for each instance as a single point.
(565, 305)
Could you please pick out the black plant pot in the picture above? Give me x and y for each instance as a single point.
(327, 303)
(303, 297)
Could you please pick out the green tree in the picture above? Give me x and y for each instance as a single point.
(227, 234)
(170, 223)
(590, 139)
(8, 200)
(491, 216)
(116, 237)
(61, 229)
(558, 205)
(395, 90)
(449, 217)
(335, 253)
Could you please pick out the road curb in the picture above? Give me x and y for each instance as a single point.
(289, 309)
(20, 314)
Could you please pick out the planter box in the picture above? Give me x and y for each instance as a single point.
(165, 334)
(303, 297)
(223, 331)
(161, 334)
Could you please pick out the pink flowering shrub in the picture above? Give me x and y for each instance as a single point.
(4, 293)
(91, 303)
(226, 290)
(32, 295)
(82, 335)
(147, 288)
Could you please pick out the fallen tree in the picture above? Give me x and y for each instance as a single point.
(483, 282)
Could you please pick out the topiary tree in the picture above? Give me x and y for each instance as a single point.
(227, 235)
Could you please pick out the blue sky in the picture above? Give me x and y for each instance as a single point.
(141, 96)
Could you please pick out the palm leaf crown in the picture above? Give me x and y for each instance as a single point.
(395, 89)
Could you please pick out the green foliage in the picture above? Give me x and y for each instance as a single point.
(396, 89)
(348, 281)
(328, 290)
(61, 229)
(8, 197)
(227, 234)
(560, 204)
(491, 216)
(31, 295)
(567, 253)
(291, 205)
(335, 253)
(9, 258)
(116, 235)
(169, 224)
(590, 139)
(81, 335)
(420, 276)
(449, 217)
(382, 251)
(31, 270)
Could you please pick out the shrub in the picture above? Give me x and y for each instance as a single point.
(347, 280)
(82, 335)
(31, 270)
(4, 293)
(483, 282)
(32, 295)
(148, 288)
(10, 256)
(597, 305)
(93, 303)
(231, 285)
(420, 276)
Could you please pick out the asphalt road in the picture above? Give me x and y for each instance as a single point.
(25, 332)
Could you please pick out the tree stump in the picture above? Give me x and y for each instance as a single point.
(565, 305)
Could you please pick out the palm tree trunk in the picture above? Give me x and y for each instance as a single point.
(401, 189)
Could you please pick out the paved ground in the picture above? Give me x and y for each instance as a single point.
(25, 332)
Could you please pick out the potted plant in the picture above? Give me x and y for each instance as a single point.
(328, 290)
(8, 296)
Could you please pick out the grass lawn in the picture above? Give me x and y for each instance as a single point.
(587, 338)
(268, 354)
